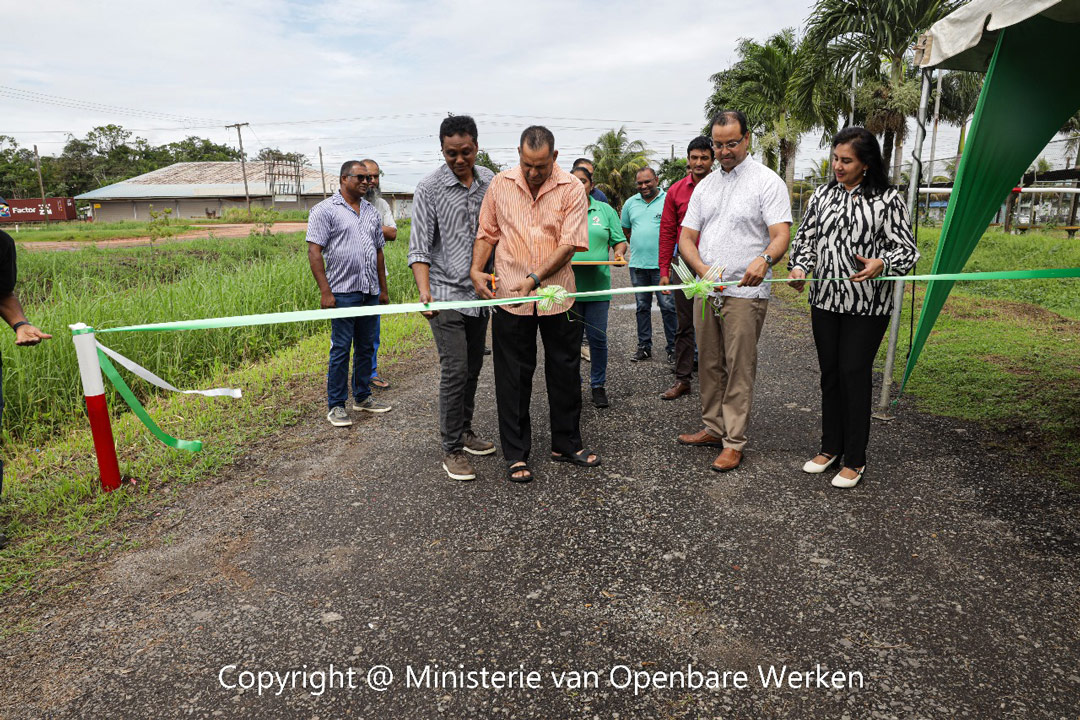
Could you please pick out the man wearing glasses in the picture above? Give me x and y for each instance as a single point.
(345, 251)
(739, 219)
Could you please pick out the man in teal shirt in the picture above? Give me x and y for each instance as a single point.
(641, 223)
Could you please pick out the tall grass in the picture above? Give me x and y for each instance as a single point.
(42, 389)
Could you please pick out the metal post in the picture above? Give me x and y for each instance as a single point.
(898, 291)
(933, 141)
(854, 79)
(41, 186)
(322, 174)
(243, 166)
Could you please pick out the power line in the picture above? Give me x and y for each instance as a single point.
(36, 97)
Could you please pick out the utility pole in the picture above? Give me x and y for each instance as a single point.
(322, 174)
(41, 186)
(243, 166)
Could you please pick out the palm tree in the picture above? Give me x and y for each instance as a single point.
(959, 96)
(617, 160)
(874, 38)
(761, 84)
(671, 171)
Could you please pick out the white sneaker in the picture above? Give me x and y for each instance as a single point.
(814, 468)
(338, 417)
(586, 354)
(843, 482)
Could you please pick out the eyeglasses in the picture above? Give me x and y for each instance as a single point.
(368, 178)
(730, 145)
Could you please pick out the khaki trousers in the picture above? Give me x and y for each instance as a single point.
(727, 364)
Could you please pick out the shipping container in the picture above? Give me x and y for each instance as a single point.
(30, 210)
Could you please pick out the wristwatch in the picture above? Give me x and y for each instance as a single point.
(767, 258)
(535, 280)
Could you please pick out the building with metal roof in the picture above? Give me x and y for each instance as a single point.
(208, 189)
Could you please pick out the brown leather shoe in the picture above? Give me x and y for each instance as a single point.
(728, 459)
(701, 437)
(680, 388)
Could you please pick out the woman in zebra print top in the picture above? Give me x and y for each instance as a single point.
(856, 227)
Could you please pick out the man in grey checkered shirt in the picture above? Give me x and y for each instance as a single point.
(445, 214)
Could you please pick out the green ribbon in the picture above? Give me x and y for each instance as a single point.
(140, 411)
(546, 298)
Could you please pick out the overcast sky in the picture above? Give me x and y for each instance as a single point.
(385, 71)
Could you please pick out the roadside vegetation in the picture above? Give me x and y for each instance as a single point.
(87, 231)
(1003, 354)
(53, 508)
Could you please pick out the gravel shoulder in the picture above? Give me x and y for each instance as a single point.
(947, 580)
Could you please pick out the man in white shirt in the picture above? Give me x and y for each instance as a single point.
(740, 218)
(389, 229)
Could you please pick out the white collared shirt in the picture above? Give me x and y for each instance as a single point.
(733, 212)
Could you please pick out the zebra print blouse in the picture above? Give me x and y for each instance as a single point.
(839, 225)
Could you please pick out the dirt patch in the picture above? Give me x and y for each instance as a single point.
(203, 233)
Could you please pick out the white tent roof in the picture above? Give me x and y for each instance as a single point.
(965, 39)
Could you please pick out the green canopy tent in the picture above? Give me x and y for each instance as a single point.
(1032, 87)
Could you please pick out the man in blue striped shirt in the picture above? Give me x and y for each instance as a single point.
(345, 250)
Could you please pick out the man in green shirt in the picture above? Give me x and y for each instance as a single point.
(605, 232)
(641, 223)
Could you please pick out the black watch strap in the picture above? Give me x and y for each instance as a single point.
(19, 324)
(535, 279)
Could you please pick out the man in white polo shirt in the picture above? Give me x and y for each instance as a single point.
(741, 218)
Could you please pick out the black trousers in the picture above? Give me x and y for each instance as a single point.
(846, 347)
(513, 351)
(684, 336)
(460, 339)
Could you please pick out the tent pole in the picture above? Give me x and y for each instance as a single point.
(898, 290)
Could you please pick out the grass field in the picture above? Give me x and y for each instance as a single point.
(114, 287)
(1004, 354)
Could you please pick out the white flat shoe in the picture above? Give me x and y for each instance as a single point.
(843, 482)
(814, 468)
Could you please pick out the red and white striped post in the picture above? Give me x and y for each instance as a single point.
(96, 408)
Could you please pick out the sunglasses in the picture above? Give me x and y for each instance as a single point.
(368, 178)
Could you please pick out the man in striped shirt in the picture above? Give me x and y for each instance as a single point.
(345, 251)
(533, 219)
(446, 208)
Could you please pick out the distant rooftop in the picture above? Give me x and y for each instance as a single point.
(214, 179)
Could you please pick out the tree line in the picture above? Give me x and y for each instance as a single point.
(107, 154)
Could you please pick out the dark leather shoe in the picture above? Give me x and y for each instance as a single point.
(599, 397)
(642, 354)
(702, 437)
(680, 388)
(728, 459)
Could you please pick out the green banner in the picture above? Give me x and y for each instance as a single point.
(1017, 114)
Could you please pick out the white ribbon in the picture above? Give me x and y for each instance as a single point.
(155, 380)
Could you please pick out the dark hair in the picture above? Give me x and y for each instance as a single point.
(726, 117)
(700, 143)
(582, 161)
(647, 168)
(537, 137)
(583, 169)
(457, 125)
(347, 167)
(868, 151)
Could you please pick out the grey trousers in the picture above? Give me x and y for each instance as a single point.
(460, 340)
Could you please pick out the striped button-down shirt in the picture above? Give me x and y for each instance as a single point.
(526, 231)
(349, 240)
(444, 224)
(733, 212)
